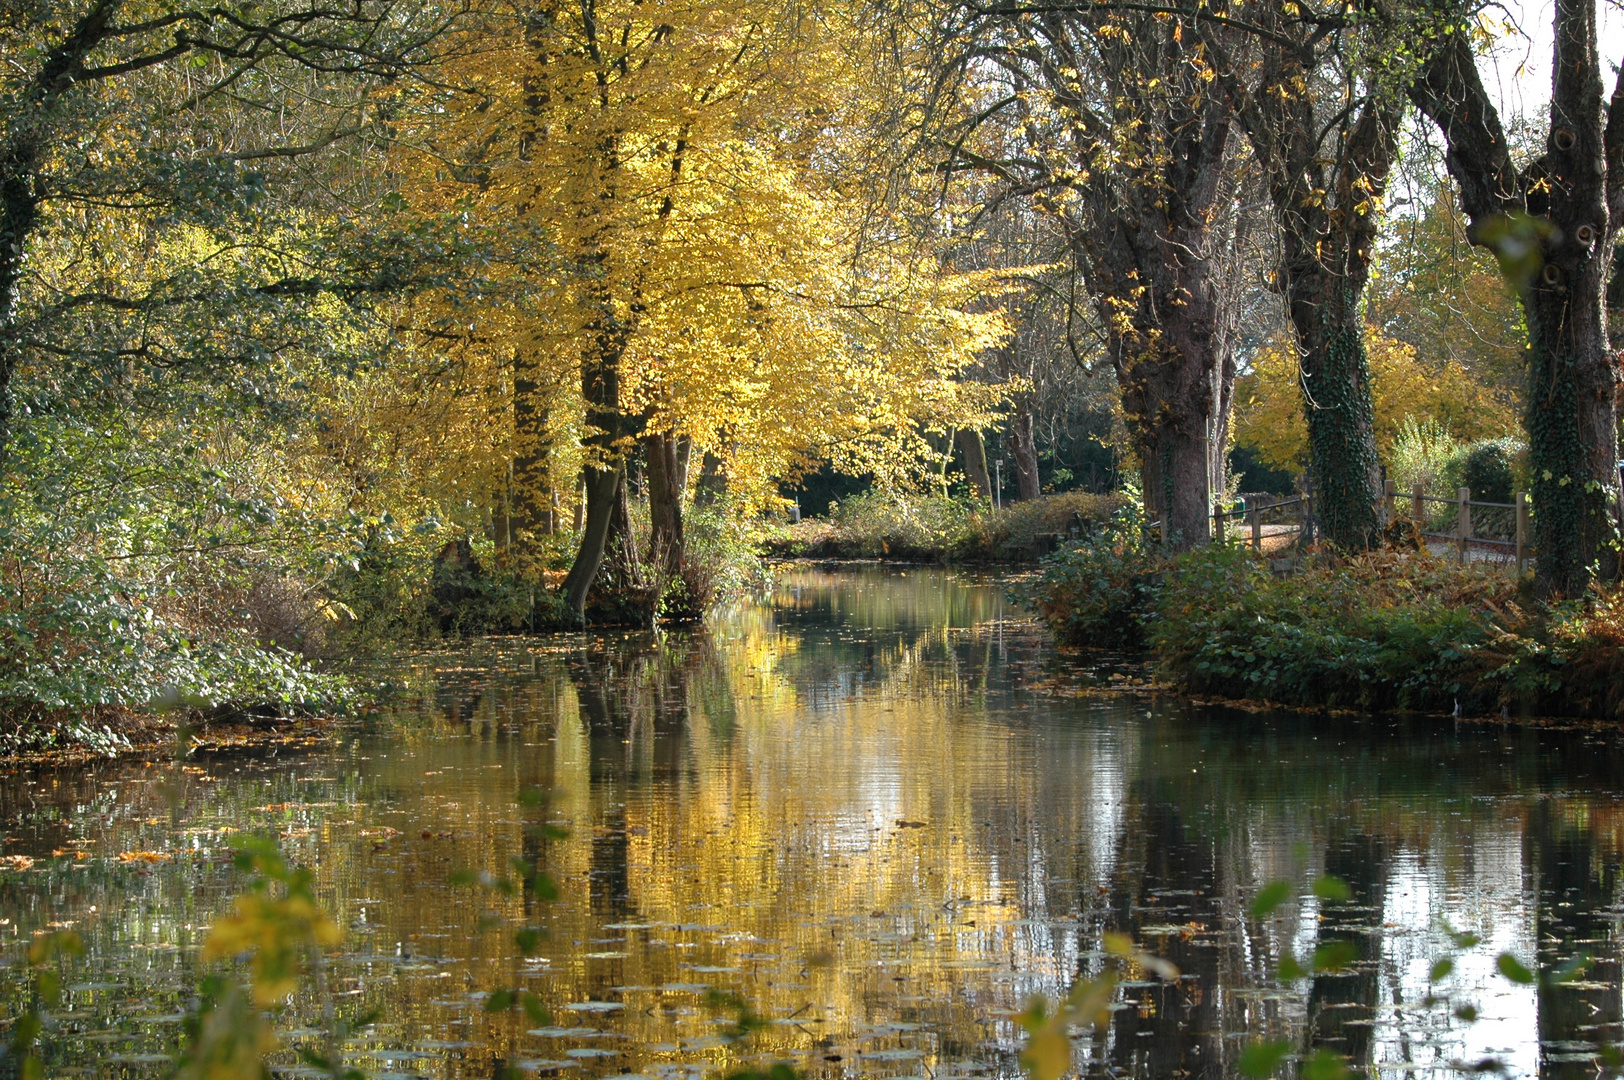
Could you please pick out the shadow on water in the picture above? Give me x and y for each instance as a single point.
(856, 807)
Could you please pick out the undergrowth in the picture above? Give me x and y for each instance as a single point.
(1382, 630)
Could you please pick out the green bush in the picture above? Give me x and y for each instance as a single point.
(1101, 591)
(1489, 469)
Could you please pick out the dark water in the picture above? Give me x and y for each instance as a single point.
(873, 809)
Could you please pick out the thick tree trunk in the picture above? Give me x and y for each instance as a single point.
(685, 453)
(1329, 327)
(1024, 449)
(975, 463)
(1566, 207)
(667, 543)
(1175, 471)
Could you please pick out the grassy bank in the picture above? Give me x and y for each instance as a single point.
(934, 528)
(1384, 630)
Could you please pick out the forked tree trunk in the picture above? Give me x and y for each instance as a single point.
(975, 463)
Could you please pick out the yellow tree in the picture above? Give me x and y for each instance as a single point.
(667, 187)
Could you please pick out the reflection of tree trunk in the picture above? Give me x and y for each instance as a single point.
(1575, 889)
(975, 463)
(667, 545)
(1024, 448)
(1342, 1004)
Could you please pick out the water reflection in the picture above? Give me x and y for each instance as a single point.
(852, 808)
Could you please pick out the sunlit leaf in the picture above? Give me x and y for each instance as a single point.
(1262, 1059)
(1270, 897)
(1513, 969)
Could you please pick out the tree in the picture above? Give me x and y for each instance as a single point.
(113, 118)
(1321, 111)
(693, 273)
(1552, 224)
(1104, 120)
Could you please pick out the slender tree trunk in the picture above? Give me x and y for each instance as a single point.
(19, 214)
(605, 471)
(531, 486)
(1024, 449)
(685, 451)
(975, 463)
(667, 543)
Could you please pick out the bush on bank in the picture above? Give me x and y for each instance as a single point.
(937, 528)
(1383, 630)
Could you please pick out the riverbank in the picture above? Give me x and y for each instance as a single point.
(941, 530)
(1387, 630)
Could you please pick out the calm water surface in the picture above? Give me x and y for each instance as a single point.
(878, 811)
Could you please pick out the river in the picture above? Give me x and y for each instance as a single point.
(876, 809)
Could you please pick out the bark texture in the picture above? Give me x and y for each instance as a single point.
(1564, 210)
(667, 544)
(1023, 450)
(975, 463)
(1326, 176)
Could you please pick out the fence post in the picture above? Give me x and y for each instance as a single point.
(1389, 501)
(1256, 522)
(1418, 512)
(1463, 521)
(1220, 523)
(1522, 532)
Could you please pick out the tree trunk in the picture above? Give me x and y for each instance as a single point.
(1329, 326)
(712, 483)
(531, 486)
(19, 213)
(685, 452)
(605, 470)
(1025, 452)
(975, 463)
(1553, 225)
(602, 486)
(667, 544)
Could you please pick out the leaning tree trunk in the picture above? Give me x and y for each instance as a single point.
(605, 468)
(1023, 447)
(975, 463)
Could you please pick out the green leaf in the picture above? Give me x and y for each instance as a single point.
(527, 940)
(1325, 1065)
(1261, 1059)
(1332, 889)
(1270, 897)
(1571, 968)
(1334, 956)
(1467, 1013)
(1513, 969)
(1290, 969)
(534, 1010)
(1441, 970)
(500, 1001)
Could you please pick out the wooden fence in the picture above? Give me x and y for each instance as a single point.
(1488, 527)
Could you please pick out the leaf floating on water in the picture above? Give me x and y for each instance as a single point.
(595, 1006)
(145, 857)
(15, 862)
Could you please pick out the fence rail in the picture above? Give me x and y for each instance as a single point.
(1465, 523)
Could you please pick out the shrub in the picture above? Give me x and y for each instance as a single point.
(1101, 591)
(1489, 469)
